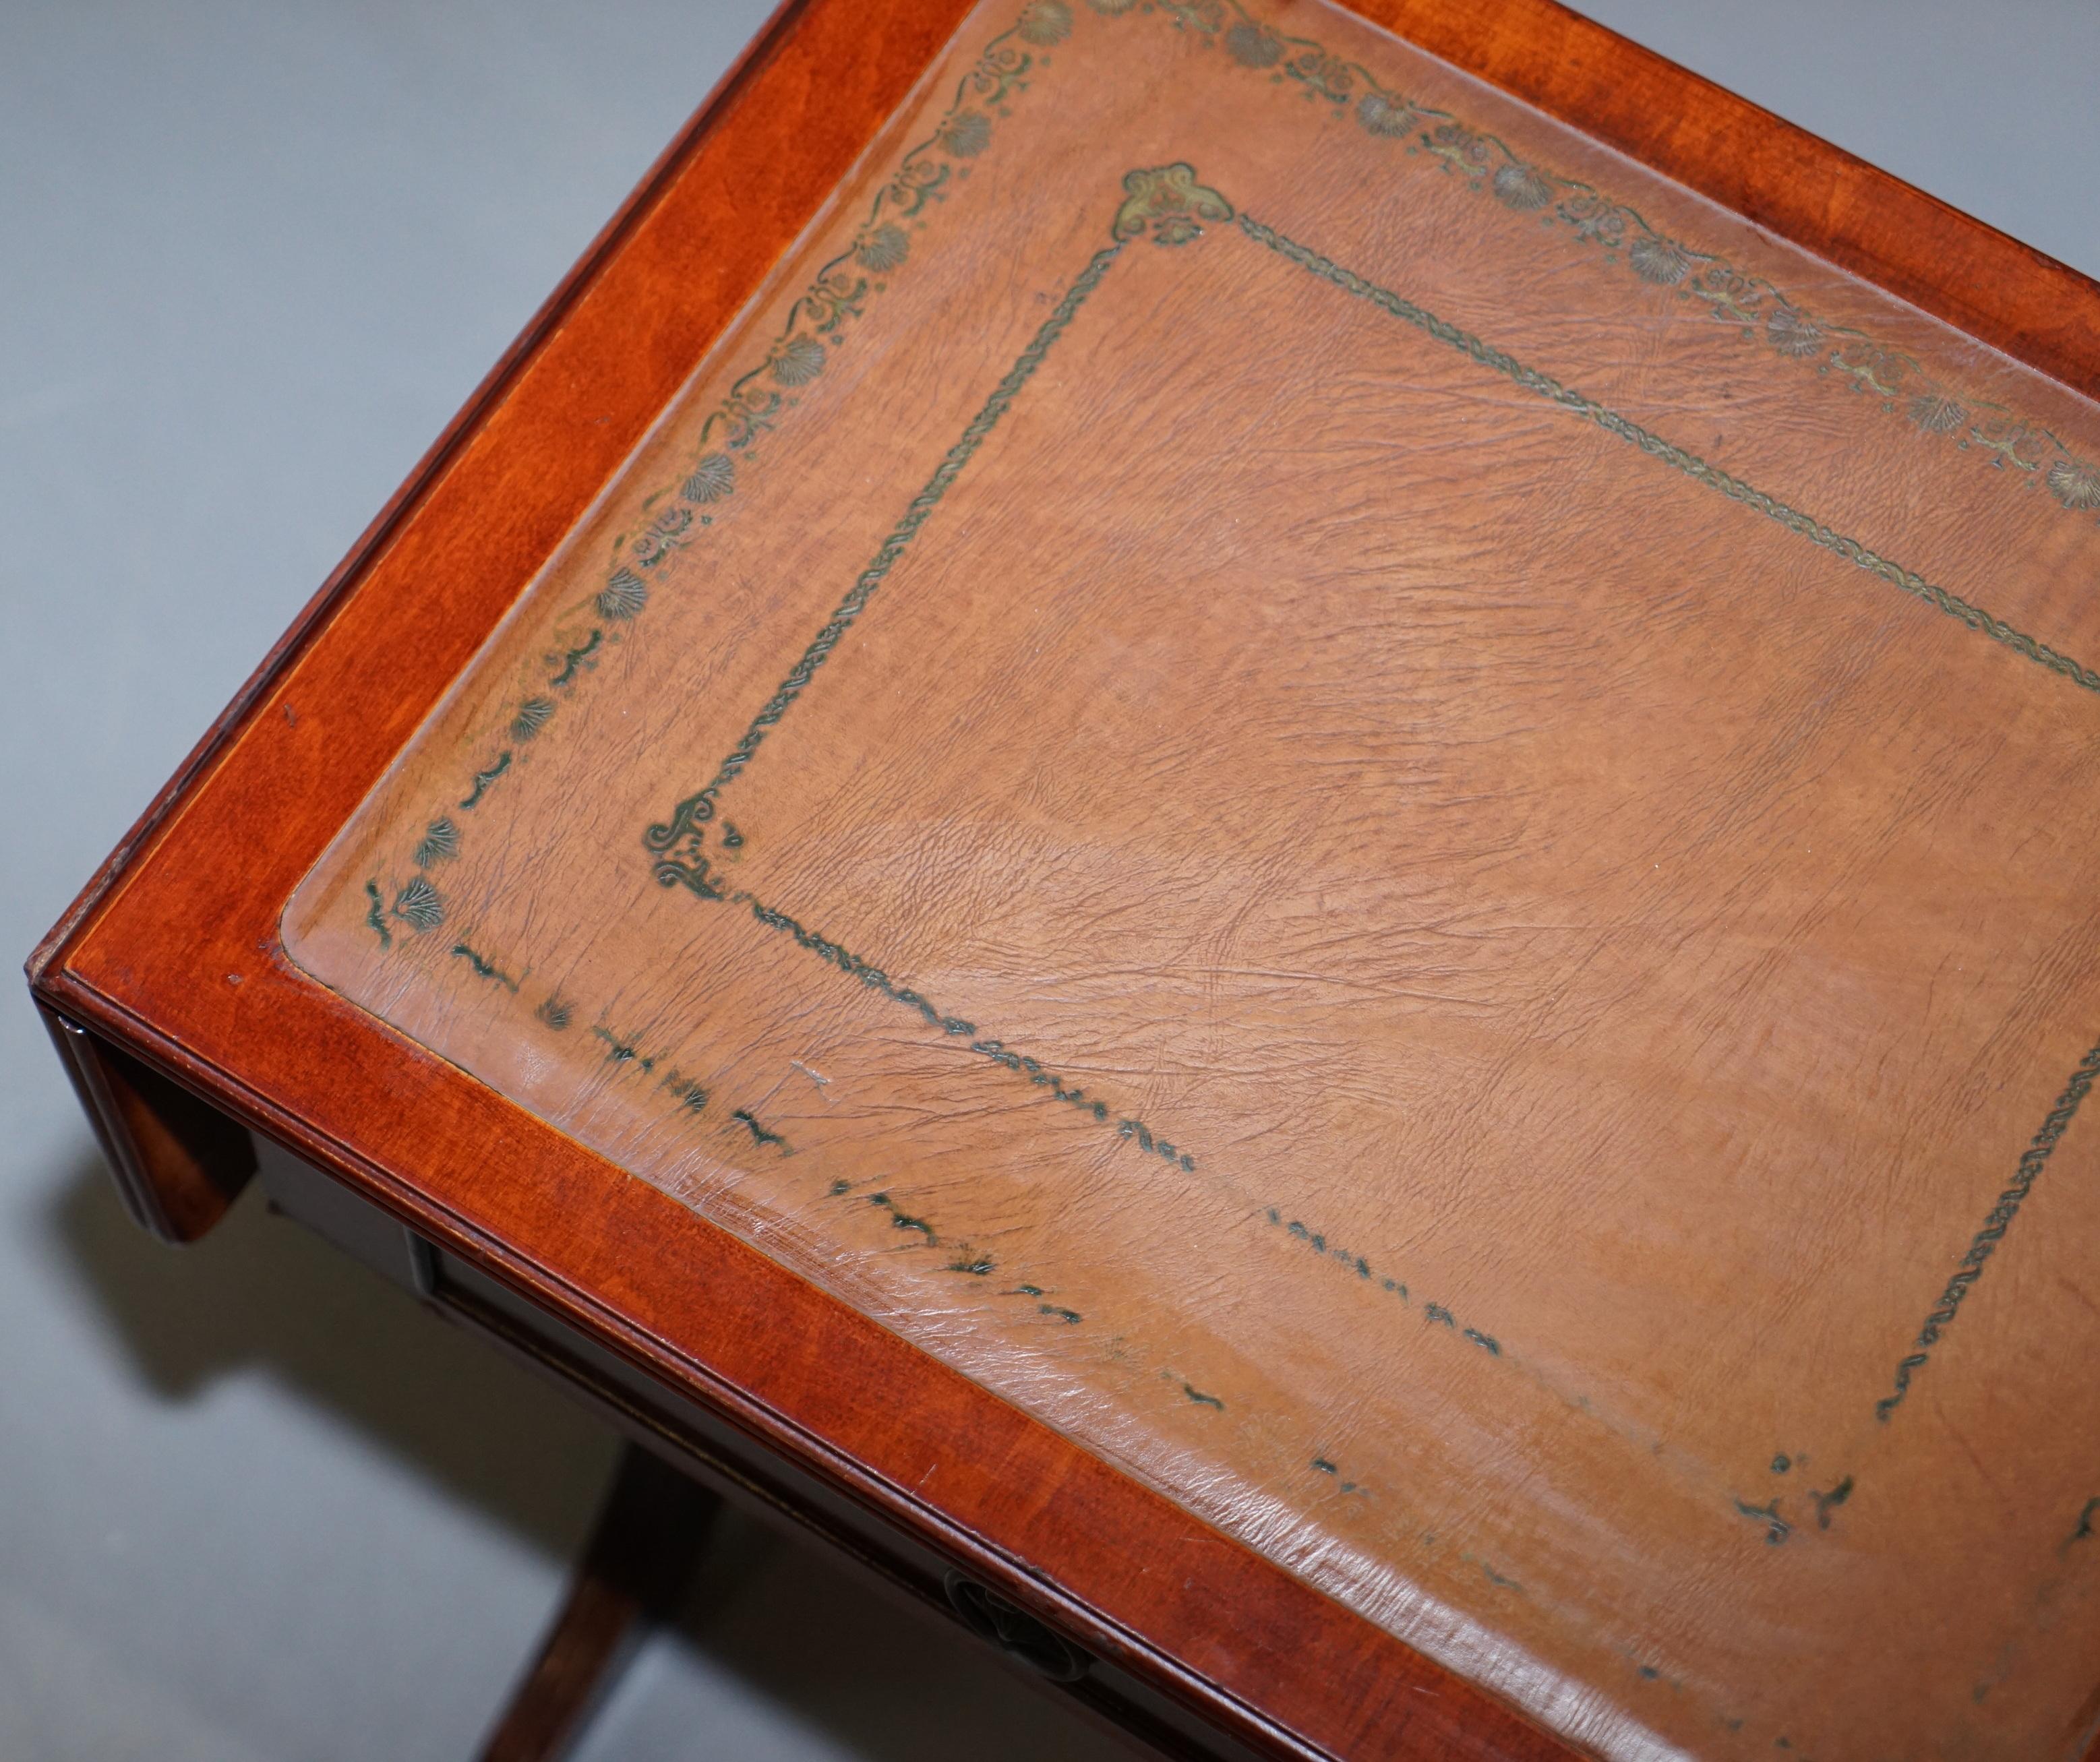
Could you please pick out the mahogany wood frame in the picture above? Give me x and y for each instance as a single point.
(169, 966)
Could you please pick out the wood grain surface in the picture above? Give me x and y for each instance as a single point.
(1377, 814)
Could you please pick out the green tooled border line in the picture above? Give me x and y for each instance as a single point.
(674, 514)
(1169, 203)
(1171, 206)
(1168, 206)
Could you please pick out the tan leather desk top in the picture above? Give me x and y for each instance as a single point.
(1386, 816)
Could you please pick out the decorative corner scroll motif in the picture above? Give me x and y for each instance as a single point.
(2025, 452)
(1168, 202)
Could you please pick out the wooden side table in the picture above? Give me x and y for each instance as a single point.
(1257, 830)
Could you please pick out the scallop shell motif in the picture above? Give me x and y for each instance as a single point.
(1937, 414)
(2076, 483)
(1792, 333)
(533, 714)
(1044, 22)
(1659, 260)
(713, 480)
(1252, 47)
(554, 1012)
(419, 905)
(882, 248)
(798, 360)
(440, 841)
(1381, 115)
(1522, 187)
(624, 596)
(965, 135)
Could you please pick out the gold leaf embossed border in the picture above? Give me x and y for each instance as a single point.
(677, 511)
(1174, 208)
(1754, 306)
(1171, 207)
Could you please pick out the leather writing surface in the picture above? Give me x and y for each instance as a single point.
(1385, 817)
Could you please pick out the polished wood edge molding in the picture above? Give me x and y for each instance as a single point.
(178, 1162)
(415, 488)
(765, 1426)
(1790, 182)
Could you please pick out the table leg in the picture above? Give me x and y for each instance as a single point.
(639, 1557)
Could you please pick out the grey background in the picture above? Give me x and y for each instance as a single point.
(253, 254)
